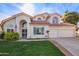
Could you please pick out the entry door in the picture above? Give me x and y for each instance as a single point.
(24, 33)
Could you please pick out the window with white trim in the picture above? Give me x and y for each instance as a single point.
(38, 30)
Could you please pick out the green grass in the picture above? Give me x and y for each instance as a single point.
(32, 48)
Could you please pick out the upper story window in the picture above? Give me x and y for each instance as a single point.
(55, 20)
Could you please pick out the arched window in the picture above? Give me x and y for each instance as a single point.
(23, 24)
(55, 20)
(39, 19)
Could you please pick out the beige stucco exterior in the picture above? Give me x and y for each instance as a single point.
(0, 27)
(9, 24)
(55, 30)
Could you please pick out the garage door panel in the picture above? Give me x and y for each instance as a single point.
(53, 34)
(56, 33)
(65, 33)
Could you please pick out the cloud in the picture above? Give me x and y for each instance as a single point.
(50, 10)
(28, 8)
(33, 9)
(3, 16)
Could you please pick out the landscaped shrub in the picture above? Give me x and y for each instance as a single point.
(11, 36)
(2, 35)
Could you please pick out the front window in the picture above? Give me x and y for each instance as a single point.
(9, 30)
(38, 30)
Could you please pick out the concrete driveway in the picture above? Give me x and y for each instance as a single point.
(69, 46)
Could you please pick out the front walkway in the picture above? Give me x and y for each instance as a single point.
(32, 40)
(69, 46)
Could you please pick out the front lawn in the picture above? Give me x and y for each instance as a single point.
(31, 48)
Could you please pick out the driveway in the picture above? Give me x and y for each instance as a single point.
(69, 46)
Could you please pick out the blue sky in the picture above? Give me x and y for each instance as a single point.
(8, 9)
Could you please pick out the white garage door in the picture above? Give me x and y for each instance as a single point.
(53, 34)
(61, 33)
(66, 33)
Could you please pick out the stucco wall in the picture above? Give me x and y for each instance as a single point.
(9, 25)
(18, 20)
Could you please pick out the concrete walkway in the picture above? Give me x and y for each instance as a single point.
(32, 40)
(69, 46)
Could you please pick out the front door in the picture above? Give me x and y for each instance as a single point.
(24, 33)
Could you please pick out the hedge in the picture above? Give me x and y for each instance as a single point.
(2, 35)
(11, 36)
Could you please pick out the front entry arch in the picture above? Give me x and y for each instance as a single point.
(23, 29)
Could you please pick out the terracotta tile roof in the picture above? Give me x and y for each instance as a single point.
(62, 24)
(44, 15)
(46, 23)
(56, 14)
(39, 22)
(14, 16)
(3, 21)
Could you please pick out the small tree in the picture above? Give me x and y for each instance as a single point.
(11, 36)
(71, 17)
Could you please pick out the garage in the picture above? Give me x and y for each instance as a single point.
(62, 31)
(66, 33)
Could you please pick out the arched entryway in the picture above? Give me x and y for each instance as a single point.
(23, 29)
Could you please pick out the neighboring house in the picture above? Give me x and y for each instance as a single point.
(40, 26)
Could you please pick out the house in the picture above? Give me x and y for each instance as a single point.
(39, 26)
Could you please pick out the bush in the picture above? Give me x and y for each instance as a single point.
(2, 35)
(11, 36)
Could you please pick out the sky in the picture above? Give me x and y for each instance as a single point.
(9, 9)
